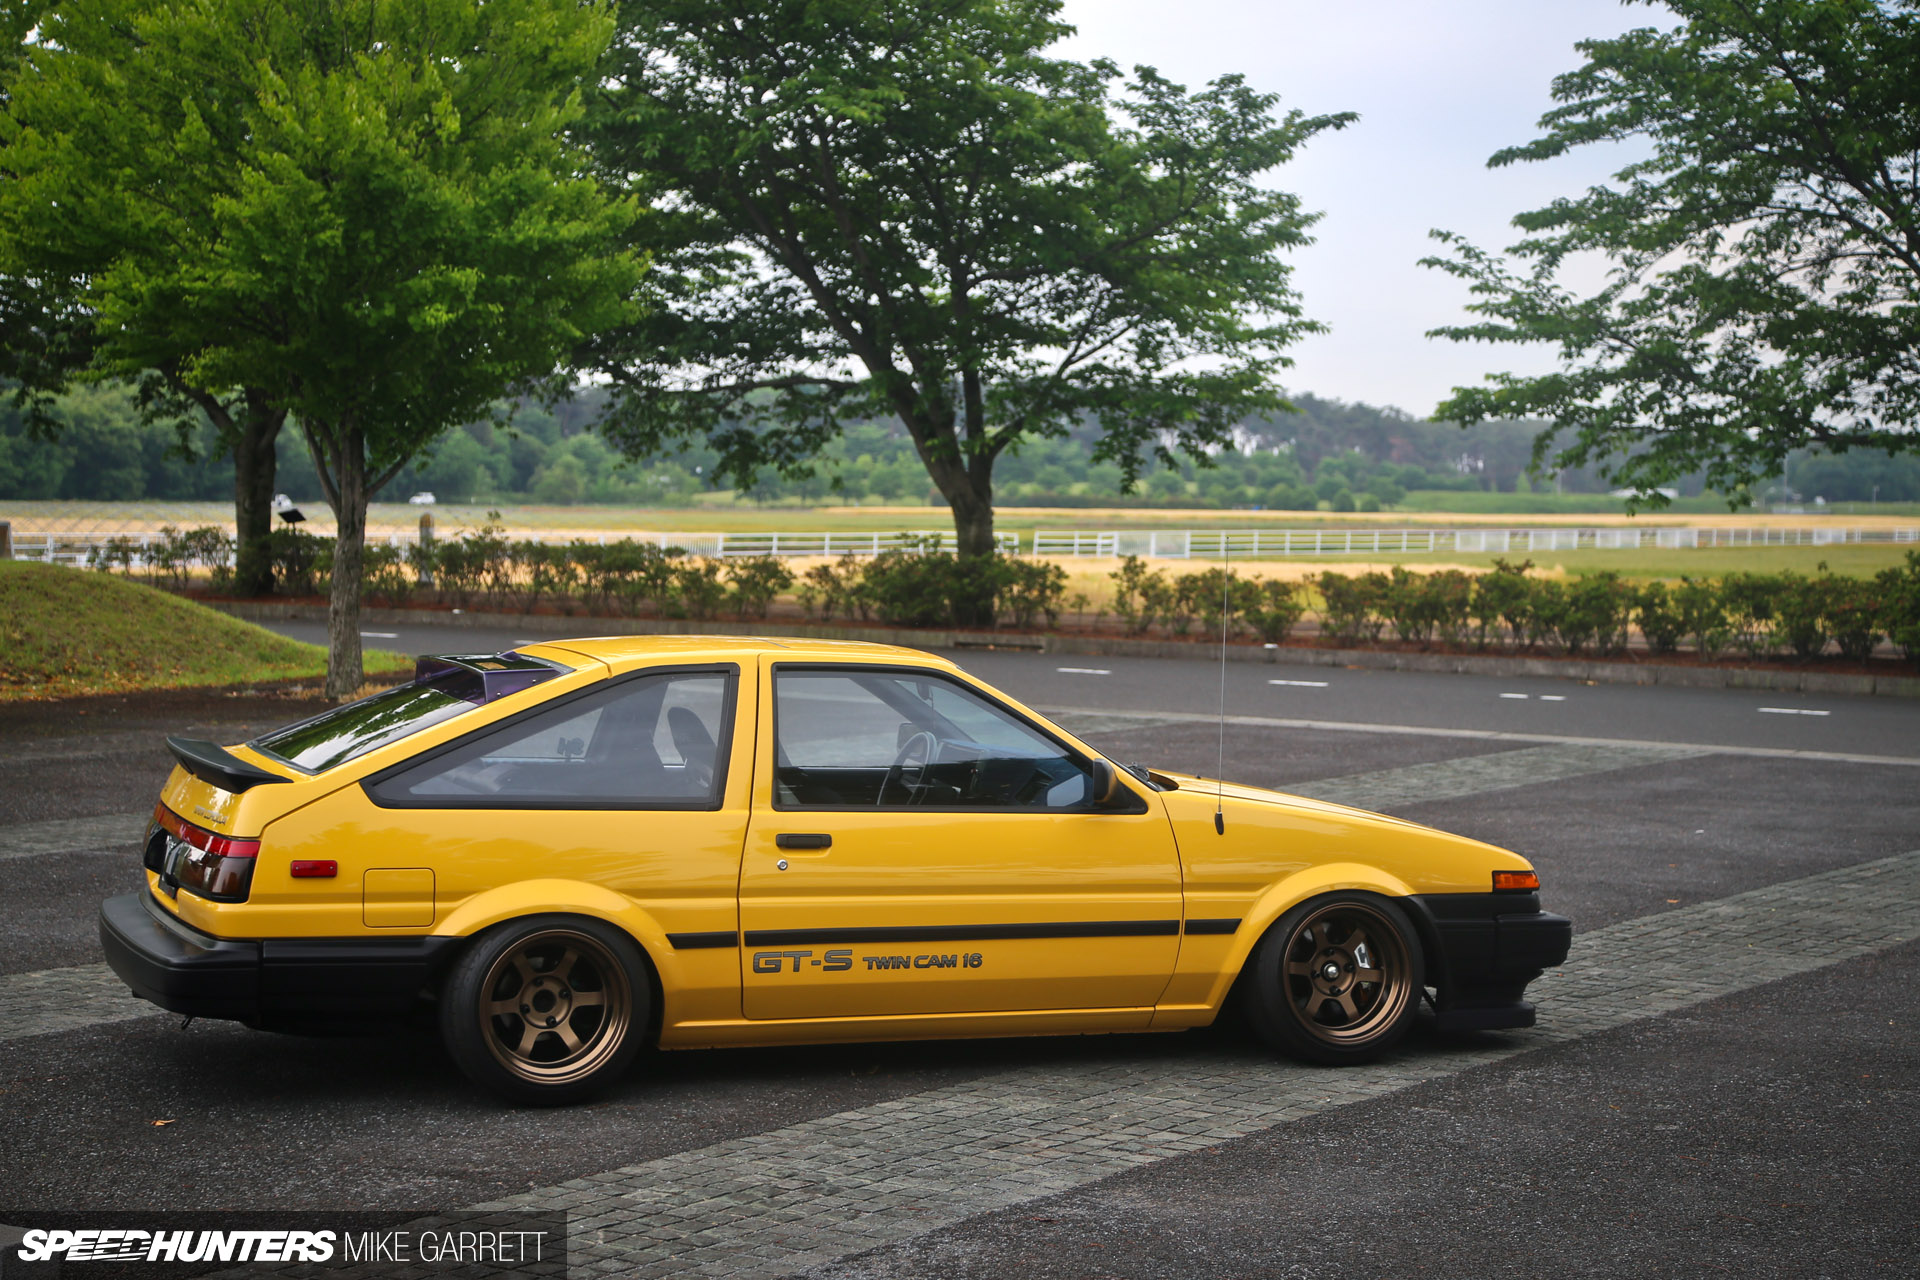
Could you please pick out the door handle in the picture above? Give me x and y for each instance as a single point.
(802, 840)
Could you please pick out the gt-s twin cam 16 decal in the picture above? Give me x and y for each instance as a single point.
(841, 959)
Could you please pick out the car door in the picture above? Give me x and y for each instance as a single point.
(917, 847)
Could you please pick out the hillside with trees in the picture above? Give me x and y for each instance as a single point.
(554, 455)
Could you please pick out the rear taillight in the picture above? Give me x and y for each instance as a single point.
(200, 861)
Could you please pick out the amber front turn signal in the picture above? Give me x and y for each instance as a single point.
(1516, 880)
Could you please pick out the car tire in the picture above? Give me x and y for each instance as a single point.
(1309, 993)
(547, 1010)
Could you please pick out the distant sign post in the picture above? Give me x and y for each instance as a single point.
(426, 549)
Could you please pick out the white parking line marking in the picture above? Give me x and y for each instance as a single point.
(1521, 696)
(1084, 671)
(380, 635)
(1301, 684)
(1553, 697)
(1792, 711)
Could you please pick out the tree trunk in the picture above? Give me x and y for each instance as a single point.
(973, 535)
(254, 466)
(973, 526)
(349, 498)
(966, 482)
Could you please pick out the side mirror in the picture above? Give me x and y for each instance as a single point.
(1106, 783)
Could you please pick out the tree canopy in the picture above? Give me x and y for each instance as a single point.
(363, 213)
(906, 208)
(45, 337)
(1763, 285)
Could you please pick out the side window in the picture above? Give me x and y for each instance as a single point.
(656, 740)
(858, 738)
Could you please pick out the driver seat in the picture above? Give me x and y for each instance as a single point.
(694, 743)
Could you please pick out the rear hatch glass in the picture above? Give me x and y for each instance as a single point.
(442, 688)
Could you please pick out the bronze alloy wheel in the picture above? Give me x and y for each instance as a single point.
(1337, 979)
(1346, 973)
(555, 1007)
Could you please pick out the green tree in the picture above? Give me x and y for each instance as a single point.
(85, 193)
(45, 335)
(1764, 289)
(562, 481)
(366, 215)
(908, 210)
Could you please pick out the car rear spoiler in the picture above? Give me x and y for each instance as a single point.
(219, 766)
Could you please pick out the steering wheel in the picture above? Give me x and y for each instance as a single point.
(915, 753)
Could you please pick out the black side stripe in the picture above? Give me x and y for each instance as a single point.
(1212, 926)
(969, 932)
(701, 941)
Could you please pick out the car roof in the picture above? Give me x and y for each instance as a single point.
(621, 652)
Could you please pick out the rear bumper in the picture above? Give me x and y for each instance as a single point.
(1484, 950)
(302, 981)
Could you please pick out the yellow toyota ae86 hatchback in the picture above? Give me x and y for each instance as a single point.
(571, 850)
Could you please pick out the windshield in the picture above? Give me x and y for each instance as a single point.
(442, 689)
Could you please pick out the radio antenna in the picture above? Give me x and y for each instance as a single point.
(1226, 606)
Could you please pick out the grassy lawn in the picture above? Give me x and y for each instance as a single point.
(69, 631)
(1460, 510)
(1860, 560)
(1460, 502)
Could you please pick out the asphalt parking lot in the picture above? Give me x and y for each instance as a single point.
(1723, 1078)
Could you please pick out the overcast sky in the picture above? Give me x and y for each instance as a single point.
(1440, 85)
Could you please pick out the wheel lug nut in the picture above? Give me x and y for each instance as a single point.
(526, 1008)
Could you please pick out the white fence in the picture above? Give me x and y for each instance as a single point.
(80, 548)
(1273, 544)
(1176, 544)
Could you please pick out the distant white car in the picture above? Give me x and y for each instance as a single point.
(421, 499)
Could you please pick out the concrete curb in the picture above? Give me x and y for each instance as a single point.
(1642, 673)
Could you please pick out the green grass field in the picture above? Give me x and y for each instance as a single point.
(1861, 560)
(1430, 502)
(69, 631)
(727, 513)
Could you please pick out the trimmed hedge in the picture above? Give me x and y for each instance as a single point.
(1758, 615)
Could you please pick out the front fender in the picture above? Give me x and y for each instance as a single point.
(1289, 892)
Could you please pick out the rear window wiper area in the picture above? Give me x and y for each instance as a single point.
(442, 687)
